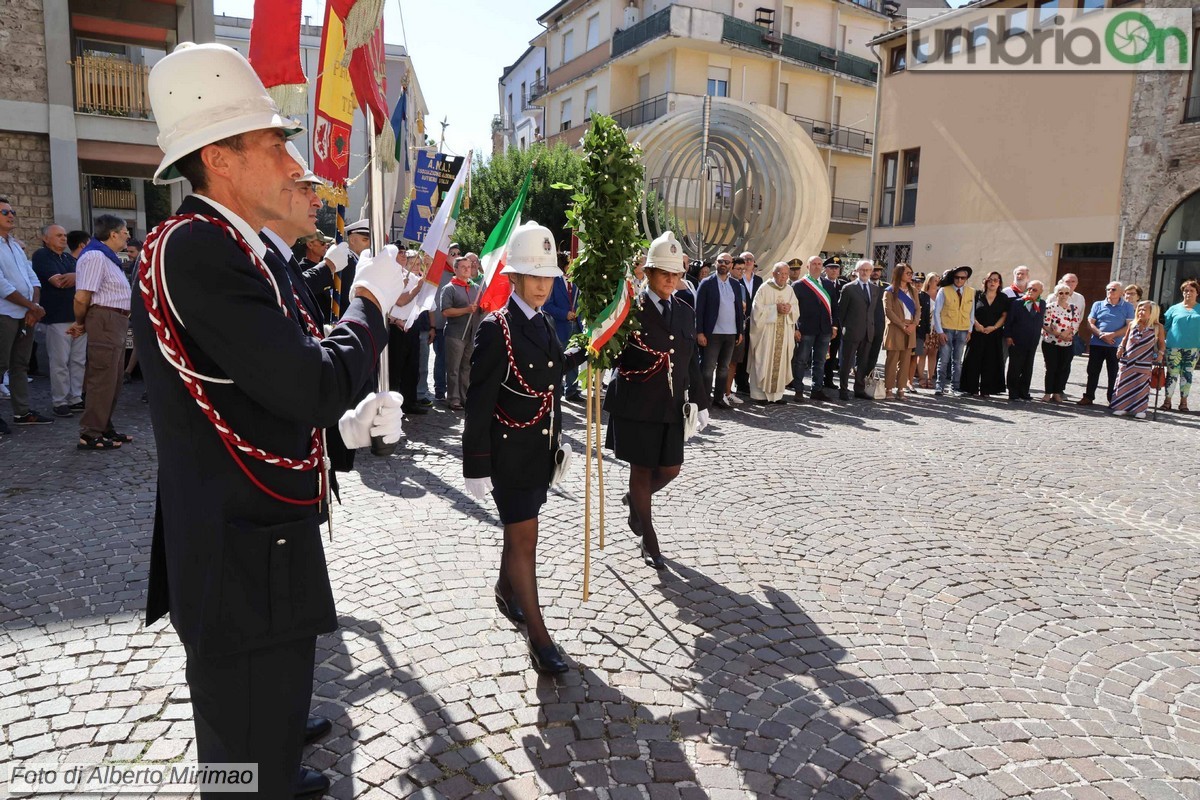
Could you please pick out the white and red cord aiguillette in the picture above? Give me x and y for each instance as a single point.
(545, 399)
(159, 308)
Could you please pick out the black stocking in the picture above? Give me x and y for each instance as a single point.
(644, 482)
(518, 576)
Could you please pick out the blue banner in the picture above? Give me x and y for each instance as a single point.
(435, 173)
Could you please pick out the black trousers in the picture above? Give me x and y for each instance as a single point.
(1101, 356)
(832, 363)
(1058, 366)
(741, 376)
(715, 360)
(251, 708)
(404, 362)
(855, 355)
(876, 346)
(1020, 371)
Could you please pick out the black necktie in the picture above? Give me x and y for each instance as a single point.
(666, 312)
(540, 332)
(867, 292)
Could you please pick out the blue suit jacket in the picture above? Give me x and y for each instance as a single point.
(708, 305)
(563, 298)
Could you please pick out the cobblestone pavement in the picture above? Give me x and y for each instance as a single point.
(940, 599)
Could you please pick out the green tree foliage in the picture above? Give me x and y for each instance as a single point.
(605, 217)
(495, 183)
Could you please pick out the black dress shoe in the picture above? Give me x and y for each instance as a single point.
(863, 396)
(316, 728)
(509, 608)
(653, 559)
(414, 409)
(574, 397)
(311, 783)
(547, 660)
(845, 394)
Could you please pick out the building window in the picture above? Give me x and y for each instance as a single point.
(593, 31)
(1191, 111)
(524, 95)
(589, 102)
(537, 76)
(568, 46)
(718, 82)
(1090, 5)
(908, 201)
(1016, 22)
(564, 114)
(898, 59)
(1047, 10)
(887, 198)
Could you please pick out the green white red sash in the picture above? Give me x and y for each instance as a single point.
(609, 321)
(821, 293)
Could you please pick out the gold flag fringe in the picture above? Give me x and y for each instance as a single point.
(332, 195)
(361, 22)
(385, 148)
(290, 98)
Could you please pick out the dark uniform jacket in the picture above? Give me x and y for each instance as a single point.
(514, 457)
(319, 280)
(652, 400)
(237, 569)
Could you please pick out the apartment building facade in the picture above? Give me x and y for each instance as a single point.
(1065, 172)
(521, 122)
(77, 136)
(640, 60)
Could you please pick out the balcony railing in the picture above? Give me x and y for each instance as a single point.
(794, 48)
(114, 86)
(651, 27)
(874, 5)
(642, 113)
(836, 136)
(536, 90)
(845, 210)
(123, 199)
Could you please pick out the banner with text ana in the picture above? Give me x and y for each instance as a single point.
(433, 177)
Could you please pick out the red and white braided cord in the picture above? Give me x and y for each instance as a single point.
(154, 298)
(546, 397)
(661, 359)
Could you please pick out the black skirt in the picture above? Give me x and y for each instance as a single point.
(518, 505)
(646, 444)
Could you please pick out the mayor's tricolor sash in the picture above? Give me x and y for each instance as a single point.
(822, 295)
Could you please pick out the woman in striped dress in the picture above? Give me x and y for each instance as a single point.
(1143, 346)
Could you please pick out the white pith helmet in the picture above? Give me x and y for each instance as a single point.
(665, 253)
(203, 93)
(308, 176)
(531, 251)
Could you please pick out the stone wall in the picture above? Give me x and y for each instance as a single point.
(1162, 164)
(23, 51)
(25, 181)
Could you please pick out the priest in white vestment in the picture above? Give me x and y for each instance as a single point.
(773, 337)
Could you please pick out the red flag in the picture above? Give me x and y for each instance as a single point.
(275, 53)
(368, 74)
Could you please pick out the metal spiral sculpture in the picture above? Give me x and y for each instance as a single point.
(728, 176)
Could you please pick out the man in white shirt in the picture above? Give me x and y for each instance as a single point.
(20, 311)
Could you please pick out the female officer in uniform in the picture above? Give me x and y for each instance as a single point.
(657, 373)
(513, 424)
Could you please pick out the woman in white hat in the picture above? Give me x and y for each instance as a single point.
(657, 373)
(513, 426)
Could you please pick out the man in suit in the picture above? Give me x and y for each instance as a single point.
(880, 321)
(751, 281)
(818, 323)
(833, 273)
(236, 557)
(857, 314)
(719, 325)
(562, 305)
(657, 372)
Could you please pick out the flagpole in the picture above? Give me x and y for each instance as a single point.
(599, 456)
(377, 217)
(587, 492)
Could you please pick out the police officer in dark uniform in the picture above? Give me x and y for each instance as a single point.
(513, 426)
(657, 373)
(241, 387)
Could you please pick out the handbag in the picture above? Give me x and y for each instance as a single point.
(1158, 376)
(932, 343)
(875, 385)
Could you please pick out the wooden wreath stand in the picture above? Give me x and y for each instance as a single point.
(593, 448)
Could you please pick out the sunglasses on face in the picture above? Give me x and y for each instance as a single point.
(7, 212)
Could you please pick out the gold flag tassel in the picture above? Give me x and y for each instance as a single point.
(362, 20)
(385, 146)
(291, 98)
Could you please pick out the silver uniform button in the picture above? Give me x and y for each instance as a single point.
(545, 432)
(504, 435)
(671, 337)
(531, 366)
(281, 541)
(549, 363)
(672, 349)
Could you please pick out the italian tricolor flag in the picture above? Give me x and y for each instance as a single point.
(496, 287)
(436, 245)
(609, 321)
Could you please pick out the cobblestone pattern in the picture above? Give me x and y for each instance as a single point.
(942, 600)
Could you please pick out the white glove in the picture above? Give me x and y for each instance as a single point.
(338, 256)
(564, 457)
(479, 487)
(377, 415)
(701, 421)
(381, 276)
